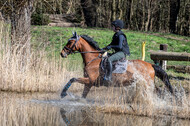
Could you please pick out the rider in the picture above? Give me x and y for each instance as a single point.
(120, 46)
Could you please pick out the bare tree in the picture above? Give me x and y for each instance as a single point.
(89, 11)
(174, 10)
(146, 15)
(19, 12)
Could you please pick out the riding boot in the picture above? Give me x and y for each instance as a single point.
(108, 74)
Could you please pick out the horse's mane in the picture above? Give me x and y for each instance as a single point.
(91, 41)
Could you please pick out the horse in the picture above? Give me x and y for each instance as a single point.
(92, 56)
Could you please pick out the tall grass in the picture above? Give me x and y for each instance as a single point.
(37, 73)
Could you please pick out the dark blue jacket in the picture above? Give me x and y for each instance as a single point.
(119, 43)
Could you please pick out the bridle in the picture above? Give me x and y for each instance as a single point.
(70, 50)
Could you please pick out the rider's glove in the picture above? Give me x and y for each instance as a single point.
(107, 48)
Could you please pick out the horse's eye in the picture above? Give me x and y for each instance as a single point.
(69, 42)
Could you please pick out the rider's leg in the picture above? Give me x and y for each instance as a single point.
(108, 74)
(111, 59)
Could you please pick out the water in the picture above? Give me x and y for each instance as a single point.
(49, 110)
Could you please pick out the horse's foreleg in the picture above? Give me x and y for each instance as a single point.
(86, 90)
(87, 85)
(85, 81)
(66, 87)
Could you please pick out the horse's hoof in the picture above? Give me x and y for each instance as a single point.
(63, 94)
(107, 83)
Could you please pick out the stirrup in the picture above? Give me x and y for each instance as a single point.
(108, 79)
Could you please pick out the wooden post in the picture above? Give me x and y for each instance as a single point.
(163, 63)
(143, 51)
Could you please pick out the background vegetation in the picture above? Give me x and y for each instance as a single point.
(57, 37)
(30, 54)
(168, 16)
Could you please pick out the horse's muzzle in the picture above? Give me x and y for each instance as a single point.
(63, 55)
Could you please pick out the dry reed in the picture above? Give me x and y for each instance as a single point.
(33, 72)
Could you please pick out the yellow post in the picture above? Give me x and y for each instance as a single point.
(143, 50)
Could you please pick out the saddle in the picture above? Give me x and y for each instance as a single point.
(119, 66)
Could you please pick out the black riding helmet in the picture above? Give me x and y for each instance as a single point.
(118, 23)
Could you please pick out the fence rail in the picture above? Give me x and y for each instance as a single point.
(174, 56)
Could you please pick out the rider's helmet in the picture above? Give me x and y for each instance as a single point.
(118, 24)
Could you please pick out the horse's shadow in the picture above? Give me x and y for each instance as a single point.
(84, 116)
(64, 117)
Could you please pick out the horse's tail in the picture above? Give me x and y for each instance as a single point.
(160, 73)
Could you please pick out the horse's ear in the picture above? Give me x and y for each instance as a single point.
(74, 34)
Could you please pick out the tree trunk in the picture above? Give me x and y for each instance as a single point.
(174, 10)
(1, 16)
(131, 14)
(143, 16)
(89, 10)
(20, 26)
(114, 10)
(128, 13)
(149, 15)
(120, 10)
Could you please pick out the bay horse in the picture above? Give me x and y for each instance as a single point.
(91, 55)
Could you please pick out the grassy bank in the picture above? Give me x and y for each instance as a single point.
(57, 37)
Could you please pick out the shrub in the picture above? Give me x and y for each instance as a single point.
(40, 19)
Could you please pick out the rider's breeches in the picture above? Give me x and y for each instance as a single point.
(116, 56)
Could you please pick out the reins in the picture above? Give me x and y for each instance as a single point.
(94, 59)
(88, 52)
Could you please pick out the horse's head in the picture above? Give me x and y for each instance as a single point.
(71, 46)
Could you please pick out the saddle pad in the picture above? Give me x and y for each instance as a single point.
(120, 67)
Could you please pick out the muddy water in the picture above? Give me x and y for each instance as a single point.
(50, 110)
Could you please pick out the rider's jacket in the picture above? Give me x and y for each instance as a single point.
(119, 43)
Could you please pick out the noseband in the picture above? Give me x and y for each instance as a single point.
(71, 49)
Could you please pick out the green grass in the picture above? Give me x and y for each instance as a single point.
(53, 39)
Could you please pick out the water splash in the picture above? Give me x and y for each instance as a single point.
(141, 98)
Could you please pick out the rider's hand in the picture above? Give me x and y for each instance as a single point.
(108, 47)
(103, 49)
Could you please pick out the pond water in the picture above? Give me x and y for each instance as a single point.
(49, 110)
